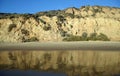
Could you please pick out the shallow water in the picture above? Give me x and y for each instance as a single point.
(28, 73)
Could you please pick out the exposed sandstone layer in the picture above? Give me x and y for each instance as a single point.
(52, 25)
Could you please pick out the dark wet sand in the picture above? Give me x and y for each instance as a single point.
(80, 45)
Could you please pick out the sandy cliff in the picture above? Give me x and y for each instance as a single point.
(57, 24)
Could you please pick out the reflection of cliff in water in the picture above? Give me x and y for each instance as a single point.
(85, 63)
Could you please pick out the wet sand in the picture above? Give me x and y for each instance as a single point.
(79, 45)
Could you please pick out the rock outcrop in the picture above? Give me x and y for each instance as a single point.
(57, 24)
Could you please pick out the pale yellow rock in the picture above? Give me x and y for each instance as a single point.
(92, 19)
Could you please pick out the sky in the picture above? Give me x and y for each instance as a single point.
(34, 6)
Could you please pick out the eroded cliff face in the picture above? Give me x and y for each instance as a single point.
(73, 63)
(55, 25)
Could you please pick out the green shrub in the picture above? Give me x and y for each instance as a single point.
(102, 37)
(46, 28)
(93, 36)
(71, 26)
(8, 15)
(76, 38)
(61, 18)
(11, 26)
(50, 13)
(26, 15)
(86, 8)
(58, 24)
(70, 15)
(72, 38)
(42, 21)
(96, 10)
(32, 39)
(23, 31)
(84, 37)
(82, 7)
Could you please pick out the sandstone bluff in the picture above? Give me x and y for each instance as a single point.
(56, 25)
